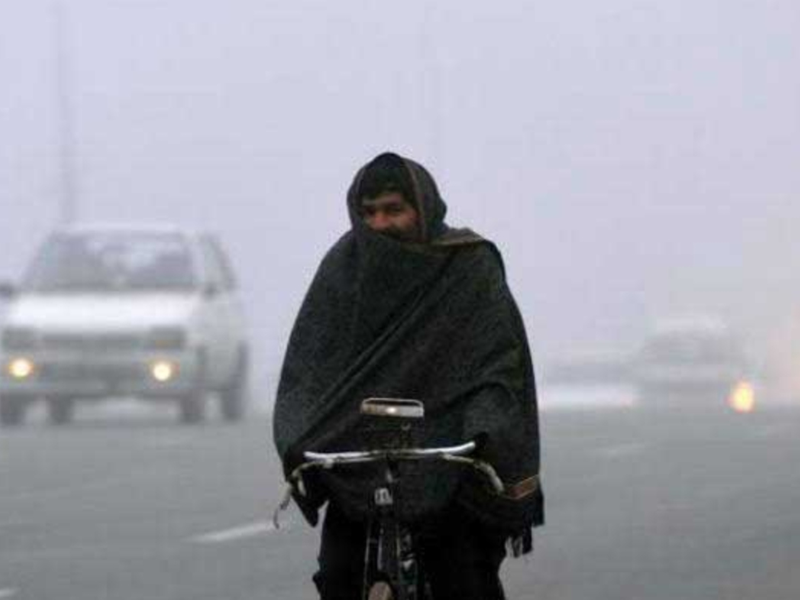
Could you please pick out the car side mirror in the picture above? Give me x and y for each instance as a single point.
(7, 290)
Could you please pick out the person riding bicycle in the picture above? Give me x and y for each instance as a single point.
(405, 306)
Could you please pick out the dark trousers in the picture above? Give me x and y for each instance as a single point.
(460, 559)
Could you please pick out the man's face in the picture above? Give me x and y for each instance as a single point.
(391, 215)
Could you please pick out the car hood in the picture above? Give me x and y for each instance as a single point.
(101, 312)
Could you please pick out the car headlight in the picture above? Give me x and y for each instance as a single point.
(166, 338)
(163, 370)
(19, 338)
(742, 398)
(20, 368)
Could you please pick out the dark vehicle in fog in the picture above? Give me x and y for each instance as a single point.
(690, 360)
(111, 311)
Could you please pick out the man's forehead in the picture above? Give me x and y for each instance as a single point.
(384, 199)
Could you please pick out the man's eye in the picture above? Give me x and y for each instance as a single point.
(394, 210)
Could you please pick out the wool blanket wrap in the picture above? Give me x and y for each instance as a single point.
(433, 321)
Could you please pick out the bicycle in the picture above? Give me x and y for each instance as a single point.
(391, 571)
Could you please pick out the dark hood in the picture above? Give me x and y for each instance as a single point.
(425, 197)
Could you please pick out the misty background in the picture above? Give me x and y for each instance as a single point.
(632, 159)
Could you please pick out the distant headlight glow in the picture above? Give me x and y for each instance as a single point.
(743, 398)
(20, 368)
(163, 370)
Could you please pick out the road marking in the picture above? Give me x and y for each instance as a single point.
(241, 532)
(8, 592)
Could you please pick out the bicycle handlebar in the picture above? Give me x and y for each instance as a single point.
(455, 454)
(407, 453)
(327, 460)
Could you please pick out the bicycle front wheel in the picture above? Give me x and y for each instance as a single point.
(380, 590)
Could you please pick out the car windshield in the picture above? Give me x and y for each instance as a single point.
(101, 262)
(692, 349)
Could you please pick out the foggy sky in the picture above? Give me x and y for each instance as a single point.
(631, 158)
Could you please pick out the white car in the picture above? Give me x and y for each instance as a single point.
(112, 311)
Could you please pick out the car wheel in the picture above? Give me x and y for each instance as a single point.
(234, 396)
(193, 407)
(12, 410)
(60, 410)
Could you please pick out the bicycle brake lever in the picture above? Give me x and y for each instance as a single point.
(284, 504)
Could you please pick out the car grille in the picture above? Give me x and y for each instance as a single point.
(83, 371)
(91, 343)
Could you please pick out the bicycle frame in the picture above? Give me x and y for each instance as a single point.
(390, 554)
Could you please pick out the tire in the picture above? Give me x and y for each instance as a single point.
(12, 410)
(234, 397)
(192, 408)
(60, 410)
